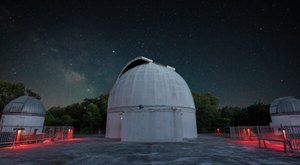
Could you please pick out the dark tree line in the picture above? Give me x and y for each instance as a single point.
(208, 115)
(89, 116)
(86, 117)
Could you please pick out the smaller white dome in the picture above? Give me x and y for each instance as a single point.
(285, 106)
(26, 105)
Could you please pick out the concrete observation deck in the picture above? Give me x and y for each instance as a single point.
(204, 150)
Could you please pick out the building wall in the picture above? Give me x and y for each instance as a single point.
(152, 126)
(113, 125)
(12, 121)
(189, 127)
(285, 120)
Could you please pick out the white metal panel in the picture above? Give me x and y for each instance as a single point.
(22, 121)
(113, 125)
(281, 120)
(152, 126)
(25, 105)
(150, 84)
(285, 120)
(295, 120)
(189, 127)
(285, 105)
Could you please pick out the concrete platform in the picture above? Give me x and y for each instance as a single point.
(204, 150)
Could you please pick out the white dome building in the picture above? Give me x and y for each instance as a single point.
(150, 103)
(24, 111)
(285, 111)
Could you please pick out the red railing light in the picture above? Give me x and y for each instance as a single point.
(70, 133)
(284, 134)
(18, 136)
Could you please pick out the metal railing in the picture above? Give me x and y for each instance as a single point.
(244, 132)
(293, 134)
(290, 134)
(214, 130)
(15, 135)
(58, 133)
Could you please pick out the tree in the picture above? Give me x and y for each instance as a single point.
(86, 117)
(258, 114)
(66, 120)
(206, 111)
(75, 111)
(102, 105)
(50, 120)
(53, 116)
(91, 119)
(33, 94)
(57, 111)
(240, 118)
(228, 114)
(10, 91)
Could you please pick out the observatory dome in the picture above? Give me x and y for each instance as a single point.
(144, 83)
(285, 106)
(150, 103)
(26, 105)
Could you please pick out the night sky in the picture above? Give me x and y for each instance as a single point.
(239, 51)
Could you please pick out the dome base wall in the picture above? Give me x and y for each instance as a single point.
(113, 125)
(152, 126)
(285, 120)
(9, 122)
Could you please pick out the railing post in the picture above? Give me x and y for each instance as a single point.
(258, 132)
(239, 132)
(284, 137)
(63, 132)
(18, 135)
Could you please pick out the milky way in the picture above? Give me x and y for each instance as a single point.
(241, 52)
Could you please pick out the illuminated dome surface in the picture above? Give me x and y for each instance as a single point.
(26, 105)
(150, 102)
(285, 106)
(150, 84)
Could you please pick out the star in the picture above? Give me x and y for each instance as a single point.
(89, 54)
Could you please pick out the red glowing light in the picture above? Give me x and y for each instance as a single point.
(70, 133)
(218, 130)
(276, 146)
(284, 134)
(46, 143)
(248, 132)
(18, 136)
